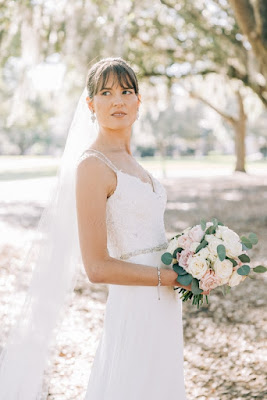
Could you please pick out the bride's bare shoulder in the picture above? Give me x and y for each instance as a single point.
(92, 171)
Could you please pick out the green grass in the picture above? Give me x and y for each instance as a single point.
(27, 167)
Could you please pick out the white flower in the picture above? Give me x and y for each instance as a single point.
(194, 246)
(197, 266)
(228, 234)
(233, 248)
(235, 279)
(173, 245)
(219, 231)
(212, 246)
(204, 253)
(196, 233)
(184, 241)
(223, 269)
(187, 229)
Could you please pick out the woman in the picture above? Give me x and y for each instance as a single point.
(120, 209)
(106, 211)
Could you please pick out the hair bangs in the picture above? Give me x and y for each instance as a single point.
(120, 76)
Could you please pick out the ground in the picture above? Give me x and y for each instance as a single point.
(225, 341)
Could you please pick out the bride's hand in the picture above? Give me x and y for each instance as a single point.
(173, 277)
(189, 287)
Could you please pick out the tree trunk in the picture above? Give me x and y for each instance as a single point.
(252, 19)
(162, 151)
(240, 146)
(240, 124)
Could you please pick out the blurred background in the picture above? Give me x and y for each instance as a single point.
(202, 131)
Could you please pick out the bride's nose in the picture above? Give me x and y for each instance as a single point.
(118, 100)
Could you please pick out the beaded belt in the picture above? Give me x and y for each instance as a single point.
(144, 251)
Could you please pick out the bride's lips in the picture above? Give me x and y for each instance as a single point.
(118, 114)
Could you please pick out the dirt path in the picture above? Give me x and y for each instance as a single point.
(224, 341)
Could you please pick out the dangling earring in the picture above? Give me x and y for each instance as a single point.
(137, 115)
(93, 117)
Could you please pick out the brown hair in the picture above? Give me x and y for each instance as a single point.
(99, 73)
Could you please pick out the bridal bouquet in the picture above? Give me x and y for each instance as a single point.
(207, 256)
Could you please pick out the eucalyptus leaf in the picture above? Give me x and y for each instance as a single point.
(195, 287)
(253, 238)
(244, 258)
(178, 250)
(259, 269)
(244, 247)
(215, 222)
(243, 270)
(221, 252)
(227, 289)
(210, 230)
(175, 253)
(232, 261)
(203, 224)
(185, 280)
(202, 244)
(246, 242)
(179, 270)
(166, 258)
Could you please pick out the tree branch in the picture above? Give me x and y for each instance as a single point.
(227, 117)
(245, 17)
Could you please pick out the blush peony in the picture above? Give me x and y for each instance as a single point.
(209, 281)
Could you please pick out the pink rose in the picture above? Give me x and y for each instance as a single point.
(196, 233)
(209, 281)
(185, 257)
(184, 241)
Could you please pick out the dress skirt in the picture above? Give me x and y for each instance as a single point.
(140, 351)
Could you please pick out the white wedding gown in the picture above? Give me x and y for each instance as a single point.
(140, 351)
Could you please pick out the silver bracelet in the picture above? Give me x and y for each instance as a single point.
(159, 281)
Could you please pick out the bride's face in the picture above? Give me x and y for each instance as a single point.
(113, 99)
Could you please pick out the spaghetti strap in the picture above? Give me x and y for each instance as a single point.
(98, 155)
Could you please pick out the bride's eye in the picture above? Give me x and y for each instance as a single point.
(107, 91)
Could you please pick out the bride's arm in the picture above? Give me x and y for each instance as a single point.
(94, 182)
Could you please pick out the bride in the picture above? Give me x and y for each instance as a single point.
(107, 212)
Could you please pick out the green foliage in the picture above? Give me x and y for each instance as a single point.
(243, 270)
(185, 280)
(211, 230)
(253, 238)
(179, 270)
(166, 258)
(232, 260)
(215, 222)
(195, 287)
(259, 269)
(202, 244)
(178, 250)
(203, 224)
(244, 258)
(246, 242)
(221, 251)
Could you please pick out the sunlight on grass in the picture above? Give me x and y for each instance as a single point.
(27, 167)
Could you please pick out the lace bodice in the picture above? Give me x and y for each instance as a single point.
(134, 212)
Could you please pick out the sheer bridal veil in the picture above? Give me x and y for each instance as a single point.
(56, 256)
